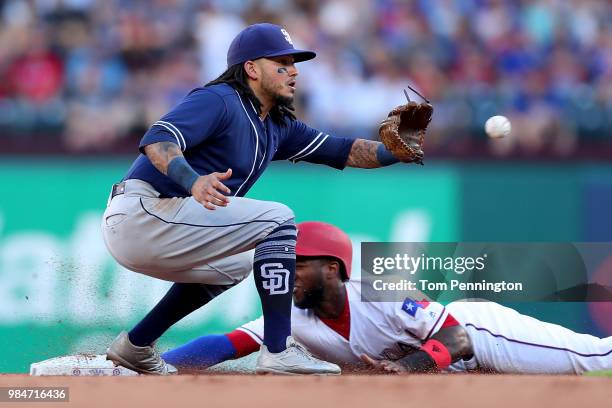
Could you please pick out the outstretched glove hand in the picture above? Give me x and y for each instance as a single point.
(403, 131)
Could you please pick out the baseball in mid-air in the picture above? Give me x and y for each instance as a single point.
(498, 126)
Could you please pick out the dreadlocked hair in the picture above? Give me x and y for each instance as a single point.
(236, 77)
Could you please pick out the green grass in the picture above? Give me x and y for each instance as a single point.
(605, 373)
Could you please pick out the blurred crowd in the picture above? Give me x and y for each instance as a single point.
(92, 75)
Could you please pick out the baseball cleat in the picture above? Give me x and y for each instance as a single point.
(145, 360)
(294, 360)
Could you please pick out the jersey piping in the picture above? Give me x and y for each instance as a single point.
(266, 147)
(311, 151)
(501, 336)
(251, 333)
(306, 148)
(175, 132)
(256, 144)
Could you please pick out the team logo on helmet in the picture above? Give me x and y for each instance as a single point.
(287, 36)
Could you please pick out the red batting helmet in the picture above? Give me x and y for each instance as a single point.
(320, 239)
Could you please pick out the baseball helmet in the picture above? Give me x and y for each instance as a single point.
(320, 239)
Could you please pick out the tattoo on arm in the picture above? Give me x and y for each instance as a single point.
(162, 153)
(363, 154)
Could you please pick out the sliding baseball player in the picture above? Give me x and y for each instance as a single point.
(333, 323)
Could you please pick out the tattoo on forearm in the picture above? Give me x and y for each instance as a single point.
(363, 154)
(162, 153)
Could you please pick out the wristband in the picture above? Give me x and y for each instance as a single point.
(438, 352)
(181, 173)
(384, 156)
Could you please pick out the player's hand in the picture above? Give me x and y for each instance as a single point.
(383, 366)
(210, 191)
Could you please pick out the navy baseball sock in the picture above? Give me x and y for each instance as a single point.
(274, 272)
(181, 300)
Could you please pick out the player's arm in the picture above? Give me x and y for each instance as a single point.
(447, 346)
(369, 154)
(206, 351)
(303, 143)
(168, 158)
(450, 344)
(197, 117)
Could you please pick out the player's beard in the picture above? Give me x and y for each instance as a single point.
(286, 101)
(310, 298)
(274, 93)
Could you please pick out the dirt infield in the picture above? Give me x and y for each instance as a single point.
(317, 392)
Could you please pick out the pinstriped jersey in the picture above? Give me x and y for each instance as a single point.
(217, 129)
(382, 330)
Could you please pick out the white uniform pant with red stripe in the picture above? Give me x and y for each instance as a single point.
(506, 341)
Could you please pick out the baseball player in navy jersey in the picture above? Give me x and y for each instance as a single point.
(180, 214)
(332, 321)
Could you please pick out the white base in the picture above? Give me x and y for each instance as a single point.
(80, 365)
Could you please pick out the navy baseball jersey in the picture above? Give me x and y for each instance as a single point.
(217, 129)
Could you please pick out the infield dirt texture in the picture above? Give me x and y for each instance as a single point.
(419, 391)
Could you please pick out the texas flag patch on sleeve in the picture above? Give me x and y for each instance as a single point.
(410, 306)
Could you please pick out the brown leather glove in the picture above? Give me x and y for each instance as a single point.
(403, 131)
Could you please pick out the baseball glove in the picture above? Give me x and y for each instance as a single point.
(403, 131)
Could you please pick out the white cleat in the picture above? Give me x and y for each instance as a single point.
(294, 360)
(145, 360)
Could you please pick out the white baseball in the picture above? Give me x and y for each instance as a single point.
(498, 126)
